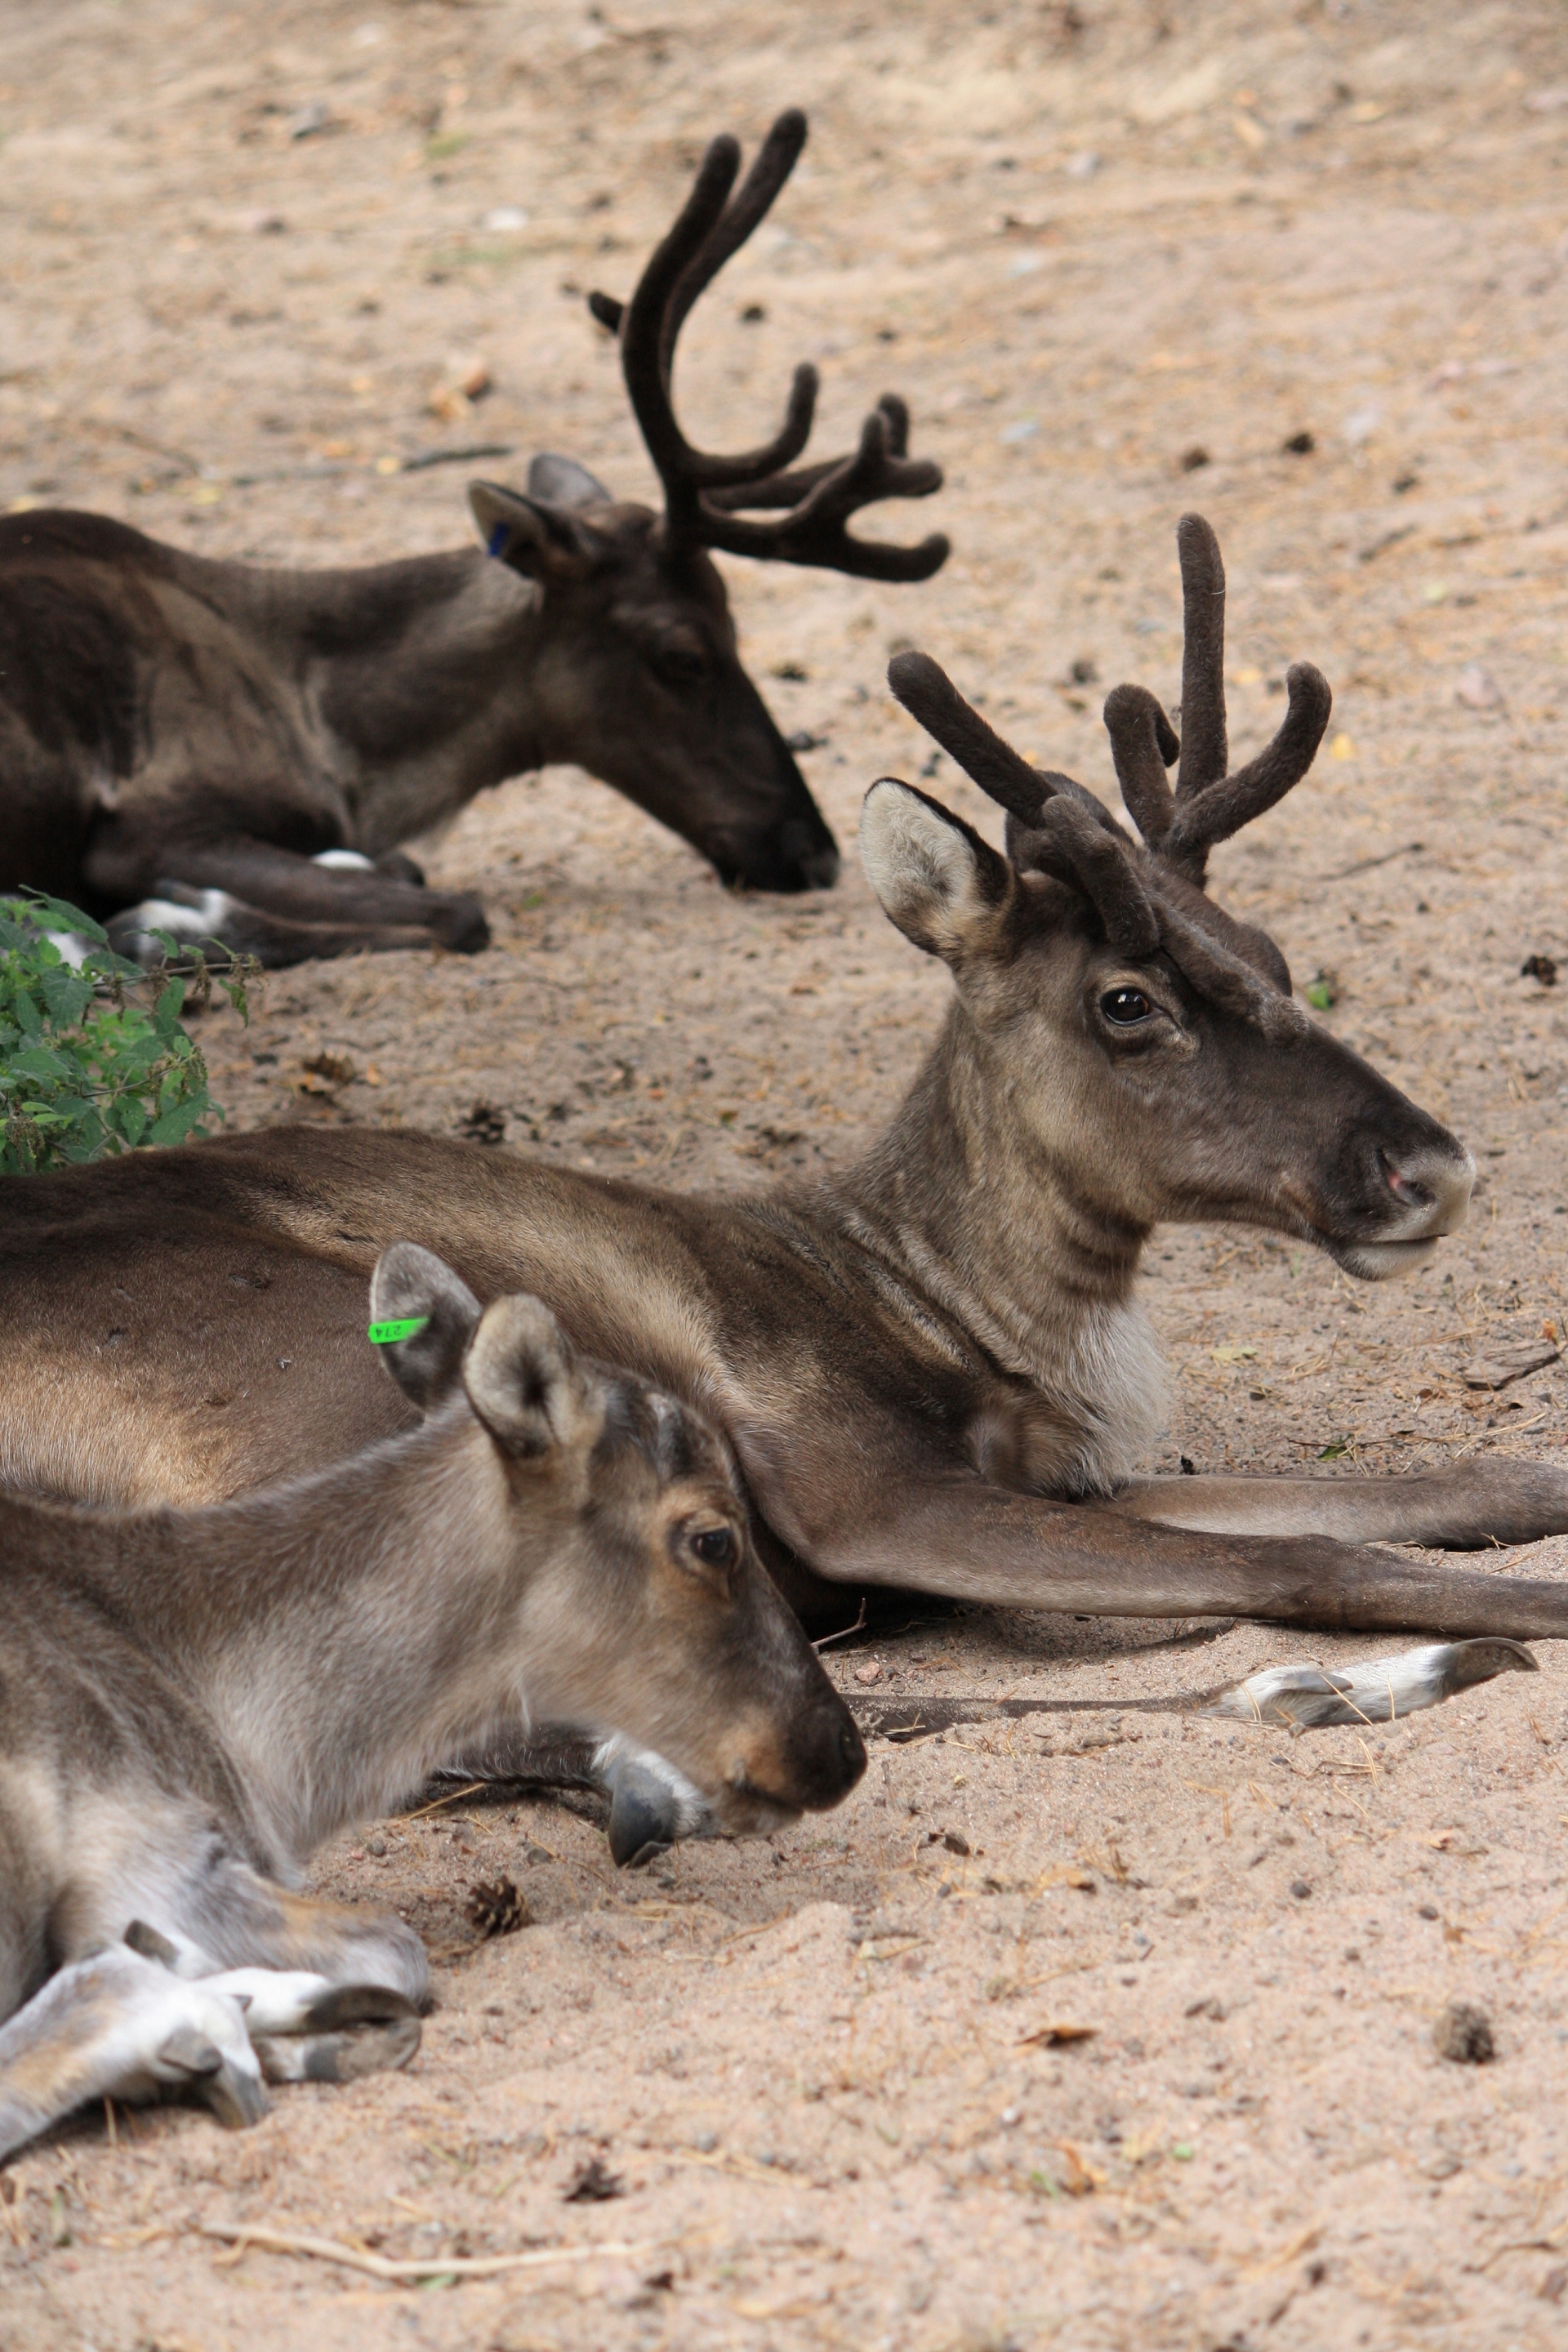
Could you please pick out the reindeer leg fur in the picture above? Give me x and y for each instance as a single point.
(246, 1922)
(651, 1804)
(225, 926)
(115, 2025)
(1462, 1506)
(304, 2027)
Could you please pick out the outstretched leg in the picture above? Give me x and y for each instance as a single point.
(281, 907)
(651, 1804)
(1462, 1506)
(116, 2025)
(983, 1543)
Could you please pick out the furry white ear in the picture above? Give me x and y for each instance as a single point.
(937, 879)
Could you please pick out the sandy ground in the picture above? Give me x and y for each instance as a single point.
(818, 2066)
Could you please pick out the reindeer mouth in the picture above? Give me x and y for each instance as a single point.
(748, 1811)
(1380, 1261)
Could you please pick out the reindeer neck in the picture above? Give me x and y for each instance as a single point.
(420, 676)
(345, 1632)
(1001, 1244)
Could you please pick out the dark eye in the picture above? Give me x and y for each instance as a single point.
(1125, 1006)
(681, 660)
(715, 1546)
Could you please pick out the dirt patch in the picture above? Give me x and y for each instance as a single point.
(1119, 257)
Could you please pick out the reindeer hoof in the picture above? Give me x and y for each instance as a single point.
(187, 2059)
(1373, 1690)
(460, 927)
(643, 1821)
(392, 863)
(349, 2030)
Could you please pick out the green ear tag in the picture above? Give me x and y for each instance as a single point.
(384, 1334)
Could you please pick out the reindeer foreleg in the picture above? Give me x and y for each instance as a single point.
(974, 1541)
(116, 2025)
(1461, 1506)
(282, 906)
(329, 1991)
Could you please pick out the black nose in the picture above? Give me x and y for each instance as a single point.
(794, 856)
(851, 1754)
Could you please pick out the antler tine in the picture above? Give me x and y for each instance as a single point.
(1142, 744)
(1207, 805)
(1204, 750)
(1226, 806)
(820, 500)
(682, 265)
(704, 495)
(929, 695)
(1066, 836)
(775, 160)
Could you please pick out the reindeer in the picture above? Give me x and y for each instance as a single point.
(931, 1366)
(204, 747)
(196, 1699)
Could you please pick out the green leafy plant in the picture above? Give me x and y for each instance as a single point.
(87, 1068)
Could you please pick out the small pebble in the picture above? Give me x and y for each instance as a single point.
(1300, 1888)
(1464, 2034)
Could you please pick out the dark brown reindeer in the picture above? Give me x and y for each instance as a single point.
(206, 748)
(931, 1366)
(194, 1700)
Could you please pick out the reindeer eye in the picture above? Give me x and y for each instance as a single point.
(1125, 1006)
(681, 660)
(715, 1546)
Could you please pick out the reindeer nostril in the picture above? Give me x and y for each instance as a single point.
(1404, 1188)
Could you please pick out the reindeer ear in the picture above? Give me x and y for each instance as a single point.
(937, 879)
(412, 1285)
(562, 482)
(526, 1386)
(535, 536)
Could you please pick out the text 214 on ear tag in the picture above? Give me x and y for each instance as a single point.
(405, 1326)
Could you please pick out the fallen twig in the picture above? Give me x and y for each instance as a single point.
(355, 2258)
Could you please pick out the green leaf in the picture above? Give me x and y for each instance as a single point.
(127, 1118)
(81, 1076)
(60, 915)
(176, 1123)
(166, 1012)
(43, 1062)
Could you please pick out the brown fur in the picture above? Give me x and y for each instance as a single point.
(932, 1367)
(194, 1700)
(181, 740)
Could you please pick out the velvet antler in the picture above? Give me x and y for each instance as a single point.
(1208, 804)
(1054, 824)
(1146, 898)
(705, 494)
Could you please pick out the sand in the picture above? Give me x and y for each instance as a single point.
(821, 2067)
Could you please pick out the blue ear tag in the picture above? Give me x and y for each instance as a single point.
(497, 540)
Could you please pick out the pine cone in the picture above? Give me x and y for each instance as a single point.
(496, 1909)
